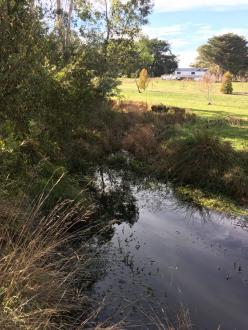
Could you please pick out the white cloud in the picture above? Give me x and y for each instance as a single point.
(179, 43)
(180, 5)
(204, 32)
(186, 58)
(164, 31)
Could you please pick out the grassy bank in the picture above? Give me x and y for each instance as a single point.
(171, 147)
(192, 96)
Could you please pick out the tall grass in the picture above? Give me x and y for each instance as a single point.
(42, 277)
(204, 161)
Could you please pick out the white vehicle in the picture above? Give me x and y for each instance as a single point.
(186, 73)
(190, 73)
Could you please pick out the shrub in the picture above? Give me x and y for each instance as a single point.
(236, 183)
(141, 141)
(226, 87)
(201, 159)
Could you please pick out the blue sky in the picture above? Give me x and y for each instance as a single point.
(187, 24)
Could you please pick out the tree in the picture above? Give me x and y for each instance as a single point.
(22, 61)
(153, 54)
(226, 87)
(143, 80)
(139, 57)
(228, 52)
(163, 60)
(207, 84)
(109, 30)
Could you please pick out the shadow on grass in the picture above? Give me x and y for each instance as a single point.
(237, 132)
(240, 93)
(219, 114)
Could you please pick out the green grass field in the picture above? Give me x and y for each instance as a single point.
(193, 96)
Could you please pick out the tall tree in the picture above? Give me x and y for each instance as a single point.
(153, 54)
(59, 16)
(68, 29)
(229, 52)
(21, 60)
(109, 30)
(163, 59)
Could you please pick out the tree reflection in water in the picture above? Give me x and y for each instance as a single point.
(116, 204)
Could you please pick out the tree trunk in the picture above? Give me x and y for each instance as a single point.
(59, 17)
(32, 5)
(68, 29)
(106, 42)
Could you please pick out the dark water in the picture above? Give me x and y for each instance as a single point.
(171, 255)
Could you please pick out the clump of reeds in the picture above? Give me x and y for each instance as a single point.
(236, 181)
(204, 161)
(201, 159)
(42, 277)
(182, 320)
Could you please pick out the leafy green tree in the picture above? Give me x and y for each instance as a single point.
(164, 61)
(227, 87)
(228, 52)
(135, 57)
(153, 54)
(21, 61)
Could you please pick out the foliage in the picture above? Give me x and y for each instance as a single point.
(49, 79)
(21, 66)
(164, 62)
(212, 164)
(229, 52)
(153, 54)
(143, 81)
(226, 86)
(110, 29)
(201, 158)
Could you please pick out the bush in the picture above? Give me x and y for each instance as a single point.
(141, 141)
(201, 159)
(227, 87)
(204, 161)
(236, 182)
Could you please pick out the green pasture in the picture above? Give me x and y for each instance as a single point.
(193, 96)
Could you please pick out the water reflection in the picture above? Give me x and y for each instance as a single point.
(162, 254)
(117, 203)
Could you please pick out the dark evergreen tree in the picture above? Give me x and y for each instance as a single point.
(228, 51)
(164, 62)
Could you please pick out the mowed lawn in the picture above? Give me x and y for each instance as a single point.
(193, 96)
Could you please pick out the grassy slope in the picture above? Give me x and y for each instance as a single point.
(191, 95)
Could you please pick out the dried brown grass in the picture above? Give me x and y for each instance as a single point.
(40, 270)
(141, 141)
(130, 106)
